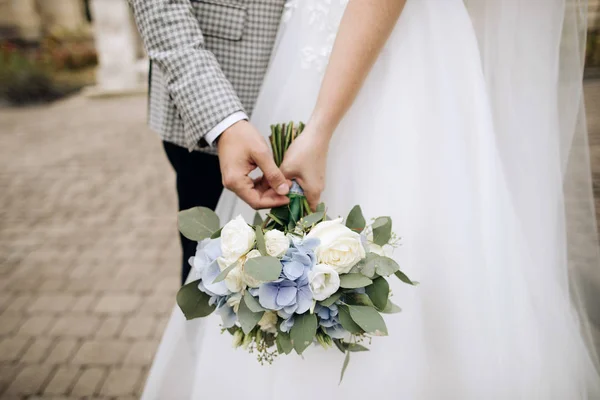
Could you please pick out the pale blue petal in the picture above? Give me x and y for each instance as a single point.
(336, 332)
(293, 270)
(303, 299)
(267, 295)
(210, 275)
(286, 296)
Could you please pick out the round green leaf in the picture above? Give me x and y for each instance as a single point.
(353, 281)
(385, 266)
(331, 299)
(356, 220)
(379, 292)
(382, 230)
(252, 303)
(347, 321)
(198, 223)
(402, 276)
(224, 273)
(284, 343)
(193, 302)
(368, 319)
(303, 332)
(247, 318)
(263, 269)
(391, 308)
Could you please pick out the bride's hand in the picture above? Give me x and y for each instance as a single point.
(305, 161)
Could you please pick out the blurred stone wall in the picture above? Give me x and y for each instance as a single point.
(29, 20)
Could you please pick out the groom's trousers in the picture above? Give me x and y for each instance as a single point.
(198, 184)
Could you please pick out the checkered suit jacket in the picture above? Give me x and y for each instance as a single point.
(208, 60)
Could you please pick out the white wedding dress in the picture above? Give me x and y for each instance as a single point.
(485, 236)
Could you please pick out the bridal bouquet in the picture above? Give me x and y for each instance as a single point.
(293, 279)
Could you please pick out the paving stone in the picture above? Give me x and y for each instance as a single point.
(141, 353)
(36, 325)
(30, 380)
(139, 328)
(7, 374)
(89, 382)
(62, 381)
(101, 352)
(117, 303)
(9, 323)
(75, 325)
(84, 303)
(62, 351)
(122, 381)
(52, 303)
(12, 348)
(111, 327)
(37, 352)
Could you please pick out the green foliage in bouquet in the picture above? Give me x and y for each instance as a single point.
(346, 301)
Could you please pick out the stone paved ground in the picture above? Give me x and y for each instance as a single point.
(89, 256)
(88, 247)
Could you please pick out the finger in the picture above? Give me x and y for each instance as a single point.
(259, 194)
(272, 174)
(312, 196)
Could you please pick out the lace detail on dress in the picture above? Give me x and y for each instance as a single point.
(323, 19)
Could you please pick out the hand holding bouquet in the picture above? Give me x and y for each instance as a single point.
(294, 279)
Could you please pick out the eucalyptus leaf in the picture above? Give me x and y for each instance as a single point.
(379, 292)
(341, 345)
(355, 347)
(328, 302)
(353, 281)
(263, 269)
(260, 240)
(321, 207)
(368, 319)
(303, 332)
(247, 318)
(252, 303)
(382, 230)
(312, 219)
(257, 219)
(193, 302)
(217, 234)
(356, 220)
(367, 265)
(402, 276)
(224, 273)
(347, 321)
(391, 308)
(284, 343)
(198, 223)
(358, 299)
(385, 266)
(346, 361)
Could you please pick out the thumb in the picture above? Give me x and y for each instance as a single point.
(273, 174)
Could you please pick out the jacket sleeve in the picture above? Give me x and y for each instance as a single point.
(173, 40)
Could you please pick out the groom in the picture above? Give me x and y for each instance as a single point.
(208, 60)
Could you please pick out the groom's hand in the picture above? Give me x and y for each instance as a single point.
(241, 149)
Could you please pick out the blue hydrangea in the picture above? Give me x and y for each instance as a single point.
(329, 320)
(291, 294)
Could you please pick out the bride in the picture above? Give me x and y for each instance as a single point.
(464, 123)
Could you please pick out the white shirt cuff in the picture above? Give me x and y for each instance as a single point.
(215, 132)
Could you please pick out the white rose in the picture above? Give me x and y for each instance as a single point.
(268, 322)
(250, 281)
(339, 247)
(324, 281)
(234, 280)
(237, 238)
(276, 242)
